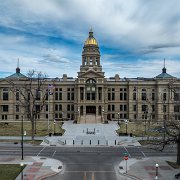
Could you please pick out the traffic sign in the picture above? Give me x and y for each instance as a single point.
(126, 158)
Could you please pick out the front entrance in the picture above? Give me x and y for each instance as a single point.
(90, 109)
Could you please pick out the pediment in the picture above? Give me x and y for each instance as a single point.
(91, 74)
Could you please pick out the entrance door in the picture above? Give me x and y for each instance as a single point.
(90, 109)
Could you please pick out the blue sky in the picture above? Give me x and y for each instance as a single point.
(134, 36)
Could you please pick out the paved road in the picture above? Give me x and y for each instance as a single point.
(86, 163)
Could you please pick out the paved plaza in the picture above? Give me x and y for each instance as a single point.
(90, 135)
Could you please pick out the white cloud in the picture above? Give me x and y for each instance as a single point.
(138, 26)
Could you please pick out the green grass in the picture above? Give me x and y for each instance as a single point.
(14, 128)
(9, 171)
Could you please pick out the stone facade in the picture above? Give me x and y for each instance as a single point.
(93, 98)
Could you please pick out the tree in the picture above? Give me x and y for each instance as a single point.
(171, 121)
(31, 94)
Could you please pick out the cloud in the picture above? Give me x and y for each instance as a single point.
(50, 34)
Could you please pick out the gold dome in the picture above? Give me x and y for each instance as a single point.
(91, 40)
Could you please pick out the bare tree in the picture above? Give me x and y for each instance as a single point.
(31, 94)
(171, 121)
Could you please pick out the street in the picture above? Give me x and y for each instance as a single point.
(86, 163)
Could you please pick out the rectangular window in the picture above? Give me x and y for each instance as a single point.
(113, 96)
(68, 96)
(93, 96)
(121, 107)
(5, 108)
(72, 96)
(82, 96)
(56, 107)
(72, 107)
(164, 97)
(17, 108)
(113, 107)
(17, 116)
(125, 96)
(56, 96)
(5, 96)
(88, 96)
(176, 108)
(4, 117)
(153, 108)
(17, 96)
(60, 96)
(153, 96)
(121, 96)
(144, 96)
(144, 108)
(68, 107)
(125, 107)
(109, 96)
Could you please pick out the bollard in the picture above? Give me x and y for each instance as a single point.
(73, 142)
(98, 142)
(81, 142)
(115, 142)
(90, 142)
(65, 142)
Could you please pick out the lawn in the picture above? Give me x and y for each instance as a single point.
(9, 171)
(138, 129)
(14, 128)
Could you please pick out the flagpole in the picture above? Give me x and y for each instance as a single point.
(48, 110)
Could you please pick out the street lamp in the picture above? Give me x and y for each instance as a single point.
(118, 118)
(102, 114)
(54, 126)
(22, 136)
(62, 116)
(145, 118)
(157, 165)
(126, 123)
(22, 170)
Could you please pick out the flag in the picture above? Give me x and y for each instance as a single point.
(50, 87)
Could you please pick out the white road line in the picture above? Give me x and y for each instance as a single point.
(143, 154)
(53, 153)
(127, 152)
(41, 150)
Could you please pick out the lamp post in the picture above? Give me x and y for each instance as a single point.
(145, 122)
(78, 115)
(54, 126)
(22, 170)
(118, 118)
(157, 165)
(102, 114)
(62, 116)
(126, 123)
(22, 136)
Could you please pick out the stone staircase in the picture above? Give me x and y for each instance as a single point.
(90, 119)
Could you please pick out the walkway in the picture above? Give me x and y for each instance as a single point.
(90, 135)
(144, 169)
(36, 167)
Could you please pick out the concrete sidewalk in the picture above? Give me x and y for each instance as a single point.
(36, 167)
(144, 169)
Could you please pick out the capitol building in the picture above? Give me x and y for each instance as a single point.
(93, 98)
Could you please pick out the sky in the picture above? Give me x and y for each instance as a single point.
(134, 36)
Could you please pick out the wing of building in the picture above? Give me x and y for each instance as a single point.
(92, 98)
